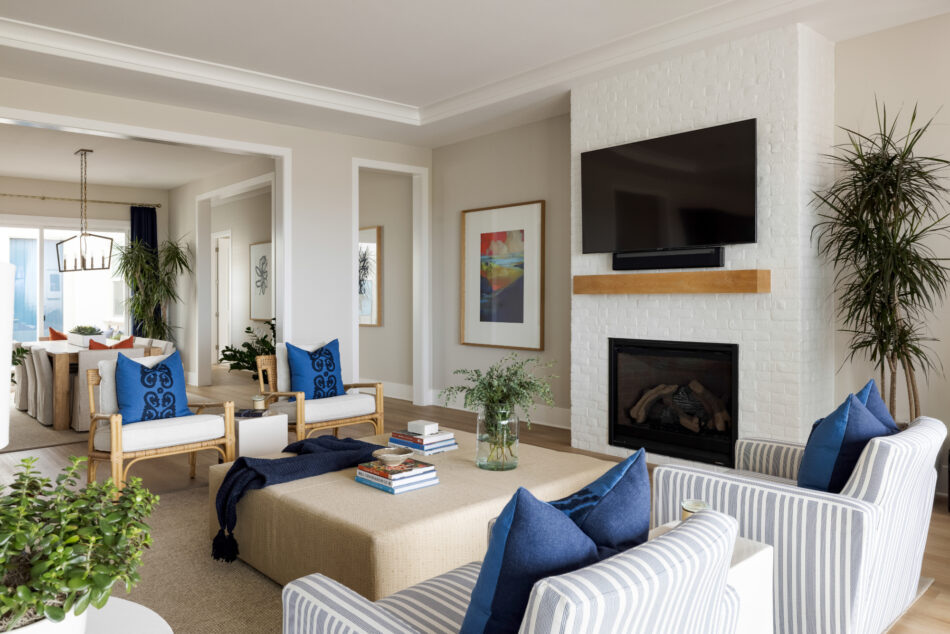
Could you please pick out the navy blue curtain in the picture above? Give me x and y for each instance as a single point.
(145, 229)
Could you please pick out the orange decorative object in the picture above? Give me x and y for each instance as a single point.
(125, 343)
(55, 335)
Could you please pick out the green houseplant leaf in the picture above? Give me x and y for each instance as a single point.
(152, 275)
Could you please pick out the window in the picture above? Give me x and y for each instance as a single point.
(44, 297)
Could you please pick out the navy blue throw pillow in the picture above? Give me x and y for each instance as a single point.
(154, 393)
(530, 540)
(871, 399)
(317, 374)
(835, 445)
(614, 509)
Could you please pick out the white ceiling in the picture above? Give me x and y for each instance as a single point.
(417, 71)
(49, 155)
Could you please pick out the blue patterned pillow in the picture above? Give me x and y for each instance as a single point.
(145, 393)
(317, 374)
(872, 400)
(614, 509)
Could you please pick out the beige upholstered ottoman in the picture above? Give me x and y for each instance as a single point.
(377, 543)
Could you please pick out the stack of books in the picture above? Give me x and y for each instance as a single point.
(396, 479)
(425, 444)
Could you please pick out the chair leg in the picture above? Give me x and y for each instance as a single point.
(117, 473)
(192, 463)
(301, 431)
(91, 465)
(336, 432)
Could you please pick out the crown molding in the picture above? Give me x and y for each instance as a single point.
(50, 41)
(728, 18)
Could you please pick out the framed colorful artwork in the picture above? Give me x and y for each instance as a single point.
(502, 285)
(262, 282)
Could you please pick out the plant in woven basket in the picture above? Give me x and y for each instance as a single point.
(245, 357)
(505, 388)
(86, 330)
(879, 221)
(63, 547)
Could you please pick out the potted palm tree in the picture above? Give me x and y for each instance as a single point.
(64, 547)
(152, 275)
(879, 221)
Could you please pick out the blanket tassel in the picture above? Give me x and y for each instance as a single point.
(224, 547)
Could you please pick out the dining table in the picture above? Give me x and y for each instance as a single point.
(64, 357)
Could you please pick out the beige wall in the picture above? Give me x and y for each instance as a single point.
(901, 66)
(249, 221)
(321, 212)
(531, 162)
(386, 351)
(64, 209)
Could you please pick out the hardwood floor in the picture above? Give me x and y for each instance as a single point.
(163, 475)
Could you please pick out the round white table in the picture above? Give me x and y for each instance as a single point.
(120, 616)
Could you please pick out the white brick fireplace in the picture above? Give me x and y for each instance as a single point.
(785, 79)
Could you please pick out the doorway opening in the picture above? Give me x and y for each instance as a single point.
(221, 294)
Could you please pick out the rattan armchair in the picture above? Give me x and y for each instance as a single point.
(122, 460)
(267, 378)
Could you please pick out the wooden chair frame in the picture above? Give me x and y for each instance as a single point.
(267, 378)
(122, 461)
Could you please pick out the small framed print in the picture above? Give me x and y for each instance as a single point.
(262, 282)
(502, 286)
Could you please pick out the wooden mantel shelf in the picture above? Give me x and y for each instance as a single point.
(680, 282)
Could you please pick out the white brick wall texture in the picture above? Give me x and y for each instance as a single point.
(785, 79)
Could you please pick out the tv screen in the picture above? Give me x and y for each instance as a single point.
(694, 189)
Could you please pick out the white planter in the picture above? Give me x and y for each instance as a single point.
(83, 340)
(6, 344)
(72, 624)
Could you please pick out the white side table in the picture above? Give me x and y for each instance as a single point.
(121, 616)
(750, 575)
(261, 436)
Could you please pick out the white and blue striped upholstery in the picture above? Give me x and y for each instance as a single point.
(847, 562)
(674, 583)
(316, 603)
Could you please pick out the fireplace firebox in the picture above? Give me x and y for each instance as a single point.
(675, 398)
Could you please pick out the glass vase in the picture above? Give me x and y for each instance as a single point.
(496, 441)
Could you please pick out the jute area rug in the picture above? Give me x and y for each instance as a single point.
(192, 592)
(27, 433)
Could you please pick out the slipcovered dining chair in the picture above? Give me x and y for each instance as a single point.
(124, 445)
(351, 408)
(21, 396)
(166, 347)
(31, 382)
(89, 360)
(43, 386)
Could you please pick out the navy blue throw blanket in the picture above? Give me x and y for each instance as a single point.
(315, 456)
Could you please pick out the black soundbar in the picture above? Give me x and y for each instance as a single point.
(673, 259)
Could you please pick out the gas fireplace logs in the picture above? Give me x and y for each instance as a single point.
(692, 406)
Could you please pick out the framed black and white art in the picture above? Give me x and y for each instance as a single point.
(262, 282)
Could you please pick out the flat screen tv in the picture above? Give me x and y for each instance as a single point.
(688, 190)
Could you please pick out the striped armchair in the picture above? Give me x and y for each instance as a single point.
(847, 562)
(672, 584)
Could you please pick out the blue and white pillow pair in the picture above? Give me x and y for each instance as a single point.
(836, 441)
(532, 540)
(316, 373)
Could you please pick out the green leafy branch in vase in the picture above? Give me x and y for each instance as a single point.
(506, 388)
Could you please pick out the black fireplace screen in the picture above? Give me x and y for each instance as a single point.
(675, 398)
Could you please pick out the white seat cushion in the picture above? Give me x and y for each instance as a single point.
(330, 408)
(166, 432)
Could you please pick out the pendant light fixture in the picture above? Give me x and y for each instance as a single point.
(86, 251)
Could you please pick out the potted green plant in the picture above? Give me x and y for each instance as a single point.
(496, 395)
(152, 276)
(879, 221)
(63, 547)
(259, 344)
(82, 335)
